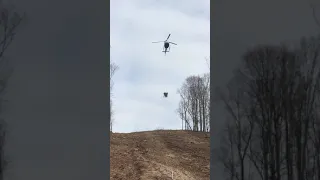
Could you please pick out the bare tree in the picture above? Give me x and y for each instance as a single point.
(3, 159)
(239, 130)
(226, 155)
(314, 150)
(204, 95)
(314, 13)
(194, 103)
(208, 62)
(113, 68)
(279, 111)
(183, 107)
(9, 22)
(307, 126)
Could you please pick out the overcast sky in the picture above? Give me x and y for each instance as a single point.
(145, 72)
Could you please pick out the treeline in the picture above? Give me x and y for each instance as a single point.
(113, 68)
(273, 102)
(194, 104)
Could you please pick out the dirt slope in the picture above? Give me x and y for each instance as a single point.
(157, 155)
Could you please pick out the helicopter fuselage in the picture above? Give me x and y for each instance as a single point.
(166, 45)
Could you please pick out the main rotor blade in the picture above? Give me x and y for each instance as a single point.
(157, 41)
(172, 43)
(168, 37)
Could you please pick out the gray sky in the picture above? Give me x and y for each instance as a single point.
(238, 25)
(57, 96)
(145, 72)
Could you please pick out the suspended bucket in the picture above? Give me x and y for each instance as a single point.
(165, 94)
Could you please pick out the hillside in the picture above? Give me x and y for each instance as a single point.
(156, 155)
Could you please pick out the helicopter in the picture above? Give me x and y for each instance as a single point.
(166, 45)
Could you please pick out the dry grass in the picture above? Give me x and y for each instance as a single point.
(157, 155)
